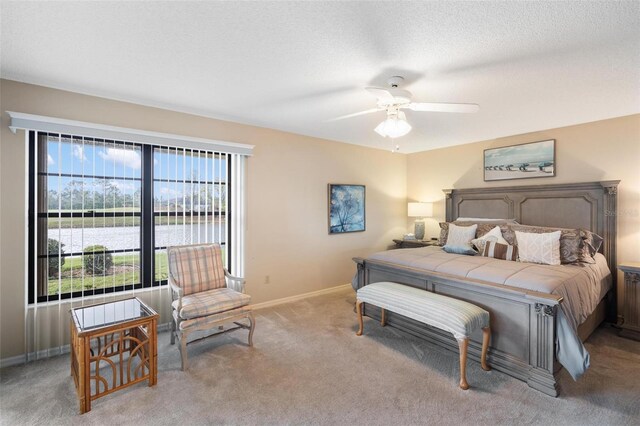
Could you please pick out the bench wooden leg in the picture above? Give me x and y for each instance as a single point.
(359, 311)
(383, 317)
(463, 344)
(486, 335)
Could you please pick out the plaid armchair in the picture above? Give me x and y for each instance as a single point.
(204, 295)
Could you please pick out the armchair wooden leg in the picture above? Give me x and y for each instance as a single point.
(359, 311)
(463, 344)
(183, 352)
(486, 335)
(252, 322)
(383, 317)
(173, 331)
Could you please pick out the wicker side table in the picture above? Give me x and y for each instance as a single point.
(113, 345)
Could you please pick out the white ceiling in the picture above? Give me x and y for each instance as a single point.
(294, 65)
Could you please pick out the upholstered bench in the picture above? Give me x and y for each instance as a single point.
(455, 316)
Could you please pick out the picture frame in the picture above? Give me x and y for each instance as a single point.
(522, 161)
(346, 208)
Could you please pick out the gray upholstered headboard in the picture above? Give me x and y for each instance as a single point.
(589, 205)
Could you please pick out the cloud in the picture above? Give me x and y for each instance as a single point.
(123, 186)
(125, 157)
(78, 152)
(50, 160)
(169, 191)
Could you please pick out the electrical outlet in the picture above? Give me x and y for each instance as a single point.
(267, 279)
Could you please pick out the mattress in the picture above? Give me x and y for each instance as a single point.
(582, 287)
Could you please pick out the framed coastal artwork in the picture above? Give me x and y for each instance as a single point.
(346, 208)
(528, 160)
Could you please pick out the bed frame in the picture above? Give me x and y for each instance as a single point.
(523, 322)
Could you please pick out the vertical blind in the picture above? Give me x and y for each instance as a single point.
(103, 212)
(89, 202)
(191, 194)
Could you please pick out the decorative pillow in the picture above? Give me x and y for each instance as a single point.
(444, 230)
(459, 239)
(483, 227)
(572, 244)
(539, 248)
(592, 242)
(494, 235)
(500, 251)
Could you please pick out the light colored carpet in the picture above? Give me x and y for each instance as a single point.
(309, 367)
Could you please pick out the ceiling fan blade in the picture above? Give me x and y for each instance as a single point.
(355, 114)
(381, 94)
(440, 107)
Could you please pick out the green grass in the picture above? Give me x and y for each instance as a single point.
(93, 222)
(131, 276)
(107, 222)
(112, 209)
(66, 283)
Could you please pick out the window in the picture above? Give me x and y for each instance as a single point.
(103, 212)
(189, 200)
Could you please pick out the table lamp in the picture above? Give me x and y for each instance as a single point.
(420, 211)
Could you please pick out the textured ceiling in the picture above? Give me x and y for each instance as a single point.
(294, 65)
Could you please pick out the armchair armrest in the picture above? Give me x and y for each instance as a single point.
(174, 290)
(234, 283)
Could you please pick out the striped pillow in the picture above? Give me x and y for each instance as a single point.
(494, 235)
(500, 251)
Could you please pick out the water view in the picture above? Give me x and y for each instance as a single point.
(128, 237)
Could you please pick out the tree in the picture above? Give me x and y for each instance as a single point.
(106, 194)
(96, 261)
(345, 210)
(54, 247)
(52, 199)
(74, 195)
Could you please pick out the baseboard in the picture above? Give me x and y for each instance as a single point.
(48, 353)
(34, 356)
(297, 297)
(61, 350)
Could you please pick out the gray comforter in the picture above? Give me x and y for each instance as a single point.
(581, 286)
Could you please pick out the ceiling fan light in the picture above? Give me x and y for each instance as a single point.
(394, 126)
(381, 128)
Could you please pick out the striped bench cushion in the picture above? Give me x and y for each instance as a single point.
(455, 316)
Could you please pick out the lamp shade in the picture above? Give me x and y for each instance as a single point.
(420, 209)
(394, 126)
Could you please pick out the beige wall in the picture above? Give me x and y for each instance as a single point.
(287, 181)
(286, 195)
(601, 150)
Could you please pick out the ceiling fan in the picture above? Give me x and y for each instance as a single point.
(393, 100)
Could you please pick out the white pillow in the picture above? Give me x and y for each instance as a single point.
(459, 239)
(539, 248)
(494, 235)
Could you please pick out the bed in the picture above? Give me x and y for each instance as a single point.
(531, 325)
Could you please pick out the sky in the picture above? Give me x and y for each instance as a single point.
(517, 154)
(124, 165)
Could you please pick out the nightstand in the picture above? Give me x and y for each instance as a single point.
(415, 243)
(631, 303)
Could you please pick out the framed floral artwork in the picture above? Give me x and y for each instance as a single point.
(346, 208)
